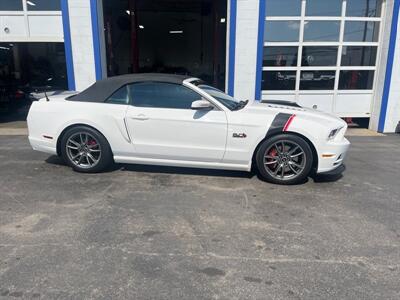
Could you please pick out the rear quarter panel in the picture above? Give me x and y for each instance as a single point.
(52, 117)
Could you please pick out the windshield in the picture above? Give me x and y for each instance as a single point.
(223, 98)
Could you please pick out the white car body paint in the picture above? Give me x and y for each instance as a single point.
(219, 138)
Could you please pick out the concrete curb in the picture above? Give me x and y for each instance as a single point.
(13, 131)
(362, 132)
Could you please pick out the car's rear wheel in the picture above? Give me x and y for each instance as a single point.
(86, 150)
(284, 159)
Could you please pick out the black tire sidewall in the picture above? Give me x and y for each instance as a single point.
(289, 137)
(106, 154)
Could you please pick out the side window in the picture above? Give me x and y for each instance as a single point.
(162, 95)
(119, 97)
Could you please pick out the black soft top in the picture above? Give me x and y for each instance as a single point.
(101, 90)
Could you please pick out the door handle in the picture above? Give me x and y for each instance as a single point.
(140, 117)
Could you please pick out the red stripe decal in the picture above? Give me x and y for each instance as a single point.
(289, 121)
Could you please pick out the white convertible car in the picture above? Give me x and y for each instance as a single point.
(176, 120)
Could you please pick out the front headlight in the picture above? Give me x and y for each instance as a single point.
(334, 133)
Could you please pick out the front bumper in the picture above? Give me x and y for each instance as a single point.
(339, 170)
(331, 156)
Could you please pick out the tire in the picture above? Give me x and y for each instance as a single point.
(86, 150)
(290, 166)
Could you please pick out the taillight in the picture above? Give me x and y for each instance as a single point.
(19, 94)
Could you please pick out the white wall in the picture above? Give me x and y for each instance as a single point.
(82, 43)
(381, 66)
(246, 48)
(393, 109)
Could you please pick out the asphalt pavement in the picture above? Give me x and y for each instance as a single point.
(139, 232)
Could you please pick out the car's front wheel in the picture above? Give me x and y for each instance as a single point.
(85, 149)
(284, 159)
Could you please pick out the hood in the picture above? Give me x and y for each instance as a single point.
(311, 114)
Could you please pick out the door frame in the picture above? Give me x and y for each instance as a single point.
(99, 49)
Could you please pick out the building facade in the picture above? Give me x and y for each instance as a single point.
(338, 56)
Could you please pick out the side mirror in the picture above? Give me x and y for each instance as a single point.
(202, 105)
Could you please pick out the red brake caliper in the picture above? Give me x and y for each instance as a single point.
(91, 142)
(272, 153)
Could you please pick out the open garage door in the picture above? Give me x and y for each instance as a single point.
(167, 36)
(26, 71)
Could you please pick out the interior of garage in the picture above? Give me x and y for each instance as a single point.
(167, 36)
(26, 71)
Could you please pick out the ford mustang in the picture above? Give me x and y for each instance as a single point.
(175, 120)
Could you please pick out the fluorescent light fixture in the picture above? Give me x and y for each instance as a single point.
(30, 3)
(128, 12)
(223, 20)
(176, 31)
(141, 26)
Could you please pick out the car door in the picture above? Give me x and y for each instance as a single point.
(162, 124)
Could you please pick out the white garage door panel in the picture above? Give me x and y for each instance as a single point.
(284, 97)
(52, 27)
(353, 103)
(318, 102)
(12, 26)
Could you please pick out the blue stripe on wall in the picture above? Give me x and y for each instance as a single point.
(68, 45)
(389, 66)
(260, 49)
(96, 39)
(232, 47)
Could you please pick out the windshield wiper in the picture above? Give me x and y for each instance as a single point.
(241, 105)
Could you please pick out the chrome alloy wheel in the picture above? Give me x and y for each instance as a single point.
(285, 160)
(83, 150)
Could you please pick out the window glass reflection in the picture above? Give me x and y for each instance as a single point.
(364, 8)
(358, 31)
(280, 56)
(43, 5)
(11, 5)
(319, 56)
(359, 56)
(356, 80)
(119, 97)
(323, 8)
(317, 80)
(283, 8)
(282, 31)
(279, 80)
(162, 95)
(321, 31)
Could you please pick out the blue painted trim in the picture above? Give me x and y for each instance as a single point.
(389, 67)
(260, 48)
(96, 39)
(232, 47)
(68, 45)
